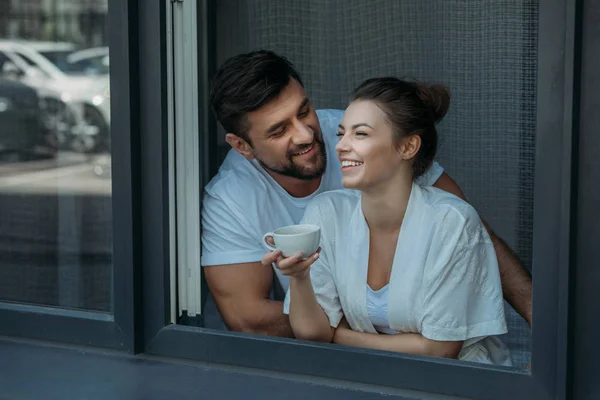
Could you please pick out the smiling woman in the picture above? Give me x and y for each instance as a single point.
(405, 114)
(448, 301)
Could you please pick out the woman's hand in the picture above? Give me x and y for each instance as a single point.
(293, 266)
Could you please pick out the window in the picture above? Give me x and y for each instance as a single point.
(56, 191)
(485, 53)
(57, 245)
(495, 86)
(514, 117)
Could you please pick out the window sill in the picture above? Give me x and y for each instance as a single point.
(62, 372)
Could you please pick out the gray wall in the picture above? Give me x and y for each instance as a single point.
(485, 51)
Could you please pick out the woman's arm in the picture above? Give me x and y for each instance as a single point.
(307, 318)
(411, 343)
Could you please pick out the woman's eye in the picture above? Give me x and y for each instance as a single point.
(361, 133)
(339, 135)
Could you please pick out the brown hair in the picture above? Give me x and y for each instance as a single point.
(412, 108)
(245, 83)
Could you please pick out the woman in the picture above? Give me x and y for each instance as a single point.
(401, 267)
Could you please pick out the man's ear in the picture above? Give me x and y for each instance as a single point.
(240, 145)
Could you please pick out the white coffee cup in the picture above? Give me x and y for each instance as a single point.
(294, 239)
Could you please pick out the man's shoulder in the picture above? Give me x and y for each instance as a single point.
(236, 180)
(329, 114)
(329, 119)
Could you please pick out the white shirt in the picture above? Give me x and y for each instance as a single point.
(243, 202)
(444, 283)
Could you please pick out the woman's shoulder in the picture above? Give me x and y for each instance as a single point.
(447, 210)
(332, 205)
(441, 201)
(336, 198)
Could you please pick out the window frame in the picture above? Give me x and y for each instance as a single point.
(114, 330)
(585, 321)
(558, 40)
(142, 280)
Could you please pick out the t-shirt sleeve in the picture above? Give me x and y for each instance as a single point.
(462, 293)
(430, 177)
(329, 120)
(226, 236)
(321, 275)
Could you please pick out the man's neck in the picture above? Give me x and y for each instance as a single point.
(296, 187)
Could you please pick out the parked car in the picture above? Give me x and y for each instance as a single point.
(88, 96)
(60, 117)
(90, 62)
(22, 132)
(71, 59)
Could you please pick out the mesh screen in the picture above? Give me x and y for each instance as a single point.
(485, 51)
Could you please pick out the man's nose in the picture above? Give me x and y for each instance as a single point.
(302, 134)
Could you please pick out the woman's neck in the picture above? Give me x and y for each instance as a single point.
(384, 206)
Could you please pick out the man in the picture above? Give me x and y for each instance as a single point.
(283, 154)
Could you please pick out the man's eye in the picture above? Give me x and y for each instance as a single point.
(278, 133)
(303, 114)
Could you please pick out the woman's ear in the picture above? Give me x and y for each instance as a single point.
(410, 147)
(240, 145)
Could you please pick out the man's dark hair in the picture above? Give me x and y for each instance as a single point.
(245, 83)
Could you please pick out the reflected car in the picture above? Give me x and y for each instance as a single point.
(22, 133)
(91, 62)
(72, 60)
(88, 96)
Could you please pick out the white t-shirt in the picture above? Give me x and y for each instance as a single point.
(243, 202)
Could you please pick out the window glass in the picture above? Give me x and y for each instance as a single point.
(55, 176)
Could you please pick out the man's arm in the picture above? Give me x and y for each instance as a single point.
(516, 281)
(241, 292)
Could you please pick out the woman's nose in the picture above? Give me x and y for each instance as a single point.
(342, 145)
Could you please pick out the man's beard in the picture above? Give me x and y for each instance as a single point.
(294, 170)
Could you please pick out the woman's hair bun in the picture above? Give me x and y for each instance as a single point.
(436, 97)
